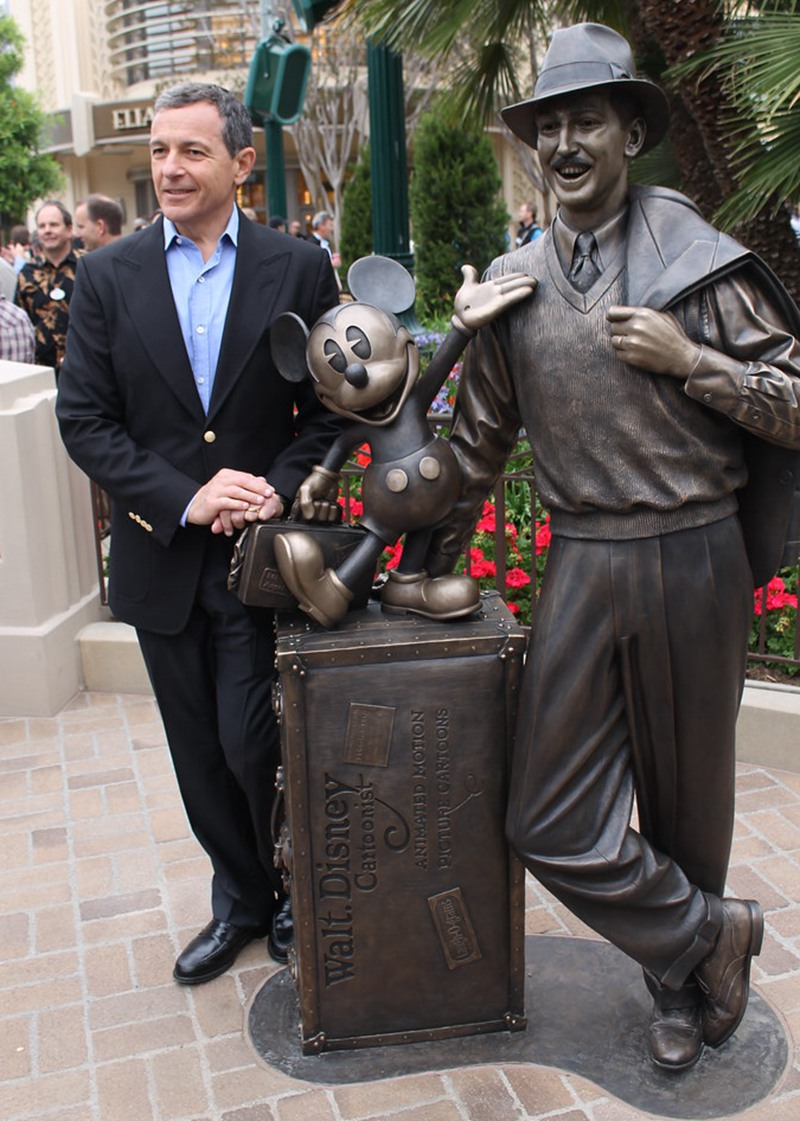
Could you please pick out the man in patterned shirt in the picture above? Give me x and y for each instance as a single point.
(17, 340)
(44, 286)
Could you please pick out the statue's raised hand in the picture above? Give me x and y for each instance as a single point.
(477, 304)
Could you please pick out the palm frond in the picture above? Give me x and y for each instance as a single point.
(769, 171)
(483, 81)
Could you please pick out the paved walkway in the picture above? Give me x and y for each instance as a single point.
(101, 884)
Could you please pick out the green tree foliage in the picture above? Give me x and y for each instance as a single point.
(457, 217)
(26, 173)
(356, 222)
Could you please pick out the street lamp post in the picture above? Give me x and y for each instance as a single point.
(388, 166)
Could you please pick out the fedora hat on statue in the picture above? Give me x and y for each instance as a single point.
(589, 56)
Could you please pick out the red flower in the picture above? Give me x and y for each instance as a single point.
(513, 607)
(777, 597)
(393, 553)
(488, 520)
(543, 535)
(517, 578)
(479, 566)
(355, 506)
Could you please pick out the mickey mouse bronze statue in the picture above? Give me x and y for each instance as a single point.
(365, 366)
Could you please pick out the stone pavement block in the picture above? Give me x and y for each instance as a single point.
(783, 993)
(15, 851)
(247, 1086)
(746, 882)
(539, 1089)
(438, 1111)
(46, 780)
(169, 824)
(46, 994)
(229, 1052)
(774, 960)
(13, 731)
(136, 871)
(123, 798)
(124, 926)
(485, 1094)
(55, 929)
(136, 1007)
(375, 1099)
(312, 1106)
(94, 876)
(153, 959)
(14, 788)
(783, 872)
(41, 968)
(111, 905)
(143, 1038)
(107, 969)
(15, 935)
(61, 1036)
(782, 832)
(123, 1091)
(18, 1041)
(218, 1005)
(25, 1097)
(253, 1113)
(786, 922)
(179, 1088)
(87, 803)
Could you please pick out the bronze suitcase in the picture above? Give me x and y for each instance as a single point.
(254, 577)
(408, 906)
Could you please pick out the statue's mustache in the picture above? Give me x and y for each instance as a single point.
(569, 161)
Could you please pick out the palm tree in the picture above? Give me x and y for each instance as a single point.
(494, 42)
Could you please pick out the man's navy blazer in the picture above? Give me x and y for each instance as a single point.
(131, 417)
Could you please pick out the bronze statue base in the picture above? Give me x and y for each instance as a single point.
(587, 1014)
(408, 907)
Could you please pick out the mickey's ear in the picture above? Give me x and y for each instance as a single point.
(382, 282)
(288, 336)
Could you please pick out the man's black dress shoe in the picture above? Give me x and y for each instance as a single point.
(281, 933)
(214, 950)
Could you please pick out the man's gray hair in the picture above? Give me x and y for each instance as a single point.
(237, 128)
(320, 217)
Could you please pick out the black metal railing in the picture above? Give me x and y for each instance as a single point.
(519, 474)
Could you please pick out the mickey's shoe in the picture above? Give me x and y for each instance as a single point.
(438, 597)
(318, 590)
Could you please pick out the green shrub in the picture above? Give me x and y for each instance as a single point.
(457, 216)
(355, 231)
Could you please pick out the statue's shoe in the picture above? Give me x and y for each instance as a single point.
(435, 597)
(318, 590)
(724, 976)
(675, 1037)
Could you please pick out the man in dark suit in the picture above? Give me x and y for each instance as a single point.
(170, 401)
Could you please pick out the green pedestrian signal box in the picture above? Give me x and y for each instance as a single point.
(277, 80)
(312, 12)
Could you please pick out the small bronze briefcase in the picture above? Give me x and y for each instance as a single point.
(254, 576)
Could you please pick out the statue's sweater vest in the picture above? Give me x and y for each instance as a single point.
(619, 453)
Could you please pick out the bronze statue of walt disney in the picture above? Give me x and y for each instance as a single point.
(657, 371)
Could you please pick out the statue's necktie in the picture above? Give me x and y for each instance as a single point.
(583, 270)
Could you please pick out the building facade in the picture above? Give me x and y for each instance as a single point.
(97, 66)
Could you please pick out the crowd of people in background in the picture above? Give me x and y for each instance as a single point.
(37, 268)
